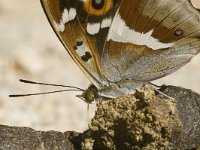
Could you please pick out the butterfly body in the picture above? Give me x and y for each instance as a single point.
(122, 44)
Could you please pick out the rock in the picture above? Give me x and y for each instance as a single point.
(143, 121)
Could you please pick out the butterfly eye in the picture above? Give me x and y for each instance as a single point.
(98, 7)
(98, 4)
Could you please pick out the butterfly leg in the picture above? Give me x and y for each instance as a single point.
(154, 86)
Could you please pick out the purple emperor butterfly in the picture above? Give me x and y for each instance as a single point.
(122, 44)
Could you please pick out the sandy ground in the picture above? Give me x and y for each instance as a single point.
(30, 50)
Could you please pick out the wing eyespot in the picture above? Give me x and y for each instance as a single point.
(178, 32)
(98, 4)
(98, 7)
(195, 4)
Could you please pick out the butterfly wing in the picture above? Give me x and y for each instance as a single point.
(149, 39)
(82, 27)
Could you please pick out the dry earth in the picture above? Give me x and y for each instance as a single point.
(29, 49)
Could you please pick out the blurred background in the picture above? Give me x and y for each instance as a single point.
(29, 49)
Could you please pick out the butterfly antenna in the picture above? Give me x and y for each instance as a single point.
(42, 93)
(58, 85)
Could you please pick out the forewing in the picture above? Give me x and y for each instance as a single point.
(82, 27)
(149, 39)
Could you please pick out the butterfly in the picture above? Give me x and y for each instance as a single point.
(122, 44)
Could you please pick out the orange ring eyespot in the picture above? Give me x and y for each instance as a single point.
(98, 7)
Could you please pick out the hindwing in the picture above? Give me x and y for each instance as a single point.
(149, 39)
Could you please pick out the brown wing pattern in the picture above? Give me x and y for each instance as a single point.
(82, 27)
(149, 39)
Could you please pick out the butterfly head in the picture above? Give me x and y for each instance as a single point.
(89, 95)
